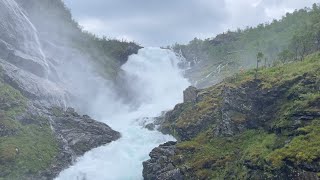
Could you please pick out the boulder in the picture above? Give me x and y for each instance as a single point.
(160, 166)
(150, 126)
(190, 94)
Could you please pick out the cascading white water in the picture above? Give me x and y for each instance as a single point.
(157, 83)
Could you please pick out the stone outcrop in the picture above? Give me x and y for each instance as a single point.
(76, 135)
(190, 94)
(160, 166)
(81, 132)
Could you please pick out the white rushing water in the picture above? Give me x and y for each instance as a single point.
(157, 85)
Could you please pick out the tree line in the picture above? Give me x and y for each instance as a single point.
(293, 37)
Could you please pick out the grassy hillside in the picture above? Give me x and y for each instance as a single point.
(232, 51)
(27, 144)
(264, 126)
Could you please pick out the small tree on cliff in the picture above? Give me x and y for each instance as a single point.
(260, 56)
(265, 62)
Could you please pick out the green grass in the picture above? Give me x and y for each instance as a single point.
(217, 157)
(304, 148)
(27, 146)
(33, 149)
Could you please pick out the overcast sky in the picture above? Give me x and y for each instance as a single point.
(164, 22)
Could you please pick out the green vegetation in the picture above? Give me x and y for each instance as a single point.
(293, 37)
(221, 158)
(27, 145)
(304, 148)
(281, 144)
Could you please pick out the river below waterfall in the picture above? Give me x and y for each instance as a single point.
(157, 84)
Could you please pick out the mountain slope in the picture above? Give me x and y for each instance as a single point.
(246, 128)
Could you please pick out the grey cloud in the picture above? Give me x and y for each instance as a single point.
(157, 23)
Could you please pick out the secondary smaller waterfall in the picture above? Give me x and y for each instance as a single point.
(157, 83)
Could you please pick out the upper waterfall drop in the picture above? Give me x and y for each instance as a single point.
(157, 83)
(154, 74)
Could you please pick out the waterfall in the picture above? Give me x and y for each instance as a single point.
(157, 84)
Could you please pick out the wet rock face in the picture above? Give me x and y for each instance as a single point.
(21, 58)
(19, 41)
(160, 166)
(39, 90)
